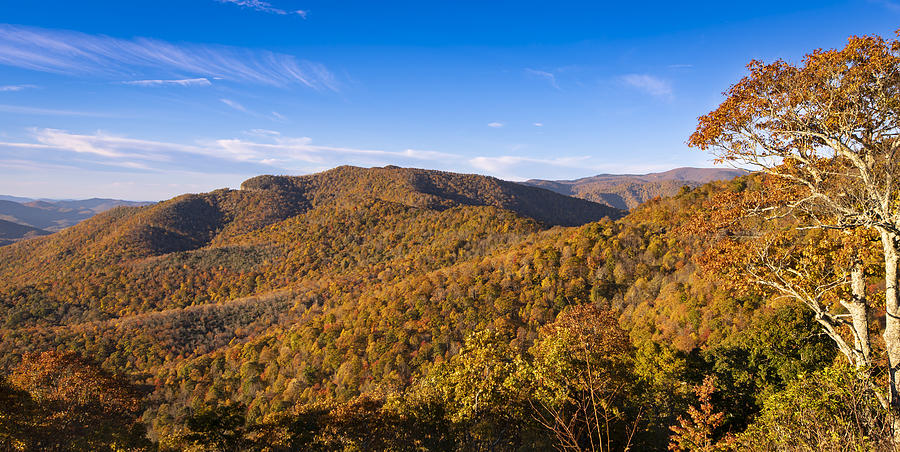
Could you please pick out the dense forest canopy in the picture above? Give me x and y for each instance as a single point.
(346, 311)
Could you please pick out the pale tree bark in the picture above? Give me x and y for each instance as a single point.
(892, 323)
(791, 281)
(858, 308)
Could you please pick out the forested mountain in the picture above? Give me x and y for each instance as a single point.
(344, 299)
(19, 199)
(627, 191)
(54, 215)
(246, 232)
(11, 232)
(434, 190)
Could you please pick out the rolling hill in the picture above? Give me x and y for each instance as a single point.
(12, 232)
(238, 225)
(627, 191)
(54, 215)
(434, 190)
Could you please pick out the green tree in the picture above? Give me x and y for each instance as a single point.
(827, 410)
(583, 382)
(480, 393)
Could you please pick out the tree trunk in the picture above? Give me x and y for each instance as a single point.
(892, 324)
(858, 308)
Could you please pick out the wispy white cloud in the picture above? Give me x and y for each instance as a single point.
(270, 148)
(273, 116)
(503, 164)
(263, 133)
(649, 84)
(495, 125)
(75, 53)
(105, 145)
(265, 7)
(177, 82)
(548, 76)
(235, 105)
(539, 124)
(889, 4)
(427, 155)
(8, 88)
(19, 109)
(281, 150)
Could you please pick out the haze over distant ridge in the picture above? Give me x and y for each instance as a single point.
(627, 191)
(22, 218)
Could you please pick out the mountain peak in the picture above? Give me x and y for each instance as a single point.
(627, 191)
(432, 189)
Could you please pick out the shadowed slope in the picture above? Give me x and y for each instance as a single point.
(55, 215)
(11, 232)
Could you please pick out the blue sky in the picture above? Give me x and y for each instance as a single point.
(147, 100)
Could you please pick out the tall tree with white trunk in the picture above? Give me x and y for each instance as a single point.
(825, 133)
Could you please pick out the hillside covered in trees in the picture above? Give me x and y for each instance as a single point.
(389, 308)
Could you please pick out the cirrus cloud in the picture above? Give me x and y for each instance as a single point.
(8, 88)
(270, 150)
(265, 7)
(81, 54)
(548, 76)
(649, 84)
(178, 82)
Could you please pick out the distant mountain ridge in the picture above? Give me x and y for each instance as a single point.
(627, 191)
(54, 215)
(19, 199)
(12, 232)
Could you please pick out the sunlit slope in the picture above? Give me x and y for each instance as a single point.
(434, 190)
(211, 247)
(295, 289)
